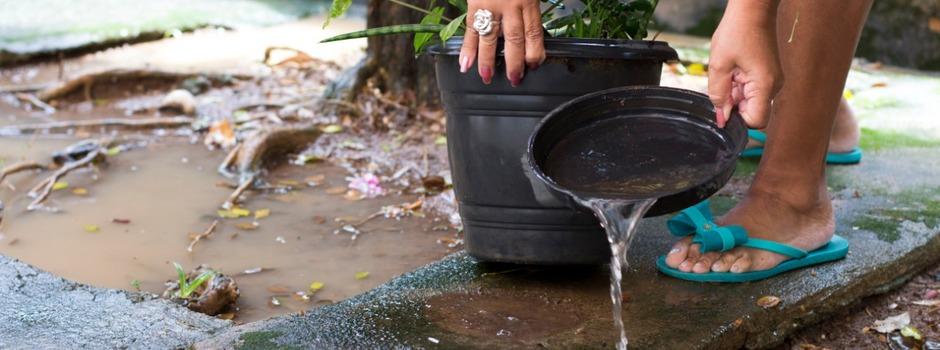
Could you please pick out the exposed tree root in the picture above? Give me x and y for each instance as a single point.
(229, 160)
(127, 124)
(242, 187)
(86, 82)
(267, 147)
(200, 236)
(22, 88)
(42, 190)
(19, 167)
(31, 99)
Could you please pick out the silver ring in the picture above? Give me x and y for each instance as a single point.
(483, 22)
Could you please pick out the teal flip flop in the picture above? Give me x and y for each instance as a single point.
(698, 222)
(843, 158)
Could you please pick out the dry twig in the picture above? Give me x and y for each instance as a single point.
(233, 198)
(19, 167)
(43, 189)
(200, 236)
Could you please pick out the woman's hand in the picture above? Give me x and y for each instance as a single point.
(519, 22)
(744, 67)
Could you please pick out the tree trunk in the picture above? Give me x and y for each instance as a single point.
(391, 63)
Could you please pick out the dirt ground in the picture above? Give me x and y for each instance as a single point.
(854, 327)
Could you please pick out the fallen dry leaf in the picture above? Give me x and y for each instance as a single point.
(933, 302)
(911, 332)
(892, 323)
(316, 286)
(362, 275)
(248, 226)
(60, 185)
(279, 289)
(315, 180)
(80, 191)
(353, 195)
(121, 221)
(220, 134)
(933, 23)
(319, 220)
(768, 301)
(262, 213)
(92, 228)
(336, 190)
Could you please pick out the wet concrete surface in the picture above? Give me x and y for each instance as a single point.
(43, 311)
(461, 303)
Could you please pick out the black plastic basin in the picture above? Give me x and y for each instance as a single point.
(508, 214)
(637, 143)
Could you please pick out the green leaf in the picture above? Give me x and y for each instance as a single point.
(390, 30)
(180, 274)
(460, 4)
(422, 39)
(337, 9)
(452, 27)
(191, 287)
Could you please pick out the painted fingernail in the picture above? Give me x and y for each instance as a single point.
(464, 67)
(674, 250)
(515, 79)
(487, 74)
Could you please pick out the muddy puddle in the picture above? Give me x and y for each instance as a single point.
(145, 204)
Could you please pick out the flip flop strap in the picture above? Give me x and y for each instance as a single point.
(776, 247)
(698, 222)
(757, 135)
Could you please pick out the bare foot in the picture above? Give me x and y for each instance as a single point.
(845, 131)
(767, 216)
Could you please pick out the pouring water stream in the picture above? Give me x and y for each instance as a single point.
(619, 218)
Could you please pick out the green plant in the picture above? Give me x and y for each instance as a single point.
(187, 287)
(603, 19)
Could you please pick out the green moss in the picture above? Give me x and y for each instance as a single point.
(261, 341)
(837, 179)
(921, 205)
(886, 229)
(874, 140)
(746, 167)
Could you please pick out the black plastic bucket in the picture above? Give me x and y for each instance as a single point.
(636, 143)
(508, 214)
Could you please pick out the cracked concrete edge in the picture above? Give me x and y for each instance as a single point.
(344, 324)
(828, 302)
(42, 310)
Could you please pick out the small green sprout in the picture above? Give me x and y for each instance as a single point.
(186, 287)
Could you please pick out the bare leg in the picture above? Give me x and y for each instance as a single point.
(788, 201)
(845, 132)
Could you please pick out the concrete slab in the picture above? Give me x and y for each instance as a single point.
(42, 311)
(888, 208)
